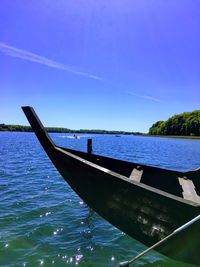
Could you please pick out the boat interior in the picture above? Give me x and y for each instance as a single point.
(184, 185)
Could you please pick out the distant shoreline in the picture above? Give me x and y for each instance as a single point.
(78, 132)
(21, 128)
(173, 136)
(108, 133)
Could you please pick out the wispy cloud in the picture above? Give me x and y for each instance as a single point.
(146, 97)
(26, 55)
(29, 56)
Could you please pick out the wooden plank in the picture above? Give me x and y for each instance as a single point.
(189, 192)
(136, 175)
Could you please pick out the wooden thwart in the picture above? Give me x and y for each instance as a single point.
(136, 175)
(189, 192)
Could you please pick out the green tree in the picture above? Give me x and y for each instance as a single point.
(185, 124)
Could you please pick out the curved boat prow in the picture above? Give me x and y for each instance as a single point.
(147, 203)
(38, 129)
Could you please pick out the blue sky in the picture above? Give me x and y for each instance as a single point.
(115, 65)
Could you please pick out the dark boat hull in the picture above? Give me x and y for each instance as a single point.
(145, 213)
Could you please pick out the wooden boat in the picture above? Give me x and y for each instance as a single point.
(145, 202)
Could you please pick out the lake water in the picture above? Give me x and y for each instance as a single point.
(44, 223)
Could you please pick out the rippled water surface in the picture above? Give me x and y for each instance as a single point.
(44, 223)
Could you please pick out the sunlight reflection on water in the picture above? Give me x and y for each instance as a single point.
(44, 223)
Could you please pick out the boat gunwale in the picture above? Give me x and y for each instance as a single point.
(130, 162)
(125, 178)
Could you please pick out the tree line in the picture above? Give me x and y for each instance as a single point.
(21, 128)
(184, 124)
